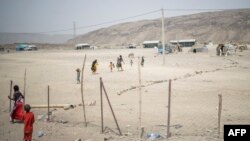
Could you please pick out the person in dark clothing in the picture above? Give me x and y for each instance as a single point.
(17, 110)
(142, 61)
(94, 66)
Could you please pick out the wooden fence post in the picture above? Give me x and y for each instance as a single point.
(83, 104)
(169, 108)
(101, 104)
(48, 105)
(11, 83)
(219, 113)
(111, 109)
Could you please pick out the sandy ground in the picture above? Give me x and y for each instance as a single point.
(197, 79)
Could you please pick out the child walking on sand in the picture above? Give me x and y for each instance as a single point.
(111, 66)
(29, 120)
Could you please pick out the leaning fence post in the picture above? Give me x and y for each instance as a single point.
(48, 104)
(24, 86)
(111, 109)
(219, 113)
(11, 83)
(140, 99)
(169, 107)
(101, 104)
(83, 103)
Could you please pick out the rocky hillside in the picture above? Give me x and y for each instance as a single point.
(218, 27)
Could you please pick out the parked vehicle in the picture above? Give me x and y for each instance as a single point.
(82, 46)
(30, 48)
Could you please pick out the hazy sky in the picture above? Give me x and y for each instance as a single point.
(25, 16)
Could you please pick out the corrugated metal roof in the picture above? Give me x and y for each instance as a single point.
(152, 42)
(180, 41)
(84, 44)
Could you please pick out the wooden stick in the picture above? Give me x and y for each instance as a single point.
(53, 106)
(101, 104)
(111, 109)
(83, 105)
(219, 113)
(11, 83)
(24, 87)
(169, 107)
(140, 97)
(48, 104)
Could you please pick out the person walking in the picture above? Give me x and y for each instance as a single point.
(142, 61)
(94, 66)
(111, 66)
(131, 62)
(28, 120)
(17, 109)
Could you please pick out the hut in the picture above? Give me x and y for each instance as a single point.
(184, 43)
(169, 48)
(82, 46)
(151, 44)
(199, 48)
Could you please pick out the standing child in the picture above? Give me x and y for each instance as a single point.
(131, 62)
(78, 71)
(29, 120)
(111, 66)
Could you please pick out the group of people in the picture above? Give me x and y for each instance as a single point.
(17, 113)
(119, 67)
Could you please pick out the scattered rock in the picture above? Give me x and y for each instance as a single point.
(92, 103)
(89, 140)
(127, 134)
(209, 130)
(40, 133)
(40, 117)
(78, 139)
(62, 121)
(4, 110)
(69, 107)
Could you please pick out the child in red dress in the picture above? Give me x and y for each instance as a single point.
(28, 119)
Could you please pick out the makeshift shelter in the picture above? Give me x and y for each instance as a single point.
(21, 47)
(82, 46)
(225, 49)
(199, 48)
(151, 44)
(169, 48)
(184, 43)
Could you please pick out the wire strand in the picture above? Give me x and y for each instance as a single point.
(122, 19)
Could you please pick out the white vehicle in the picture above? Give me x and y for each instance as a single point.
(30, 48)
(82, 46)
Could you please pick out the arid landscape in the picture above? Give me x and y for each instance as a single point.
(197, 80)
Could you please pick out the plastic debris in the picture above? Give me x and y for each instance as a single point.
(153, 136)
(40, 133)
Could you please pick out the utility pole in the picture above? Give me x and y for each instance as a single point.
(74, 27)
(74, 31)
(163, 36)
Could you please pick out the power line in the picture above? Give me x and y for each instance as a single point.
(122, 19)
(196, 9)
(99, 24)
